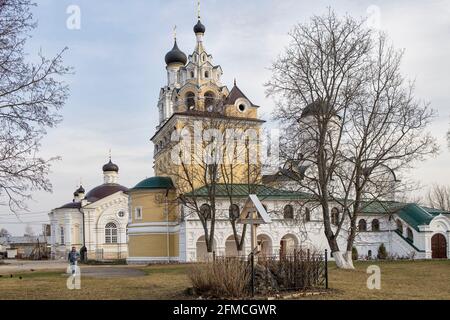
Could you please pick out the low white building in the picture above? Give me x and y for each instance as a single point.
(95, 221)
(405, 230)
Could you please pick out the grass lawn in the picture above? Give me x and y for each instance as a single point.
(399, 280)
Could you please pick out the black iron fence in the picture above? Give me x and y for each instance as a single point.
(297, 270)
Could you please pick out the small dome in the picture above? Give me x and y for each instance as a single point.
(175, 55)
(155, 183)
(316, 108)
(199, 27)
(110, 167)
(80, 190)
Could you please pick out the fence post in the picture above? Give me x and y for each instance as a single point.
(326, 269)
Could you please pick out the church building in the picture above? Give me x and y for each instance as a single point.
(164, 226)
(94, 222)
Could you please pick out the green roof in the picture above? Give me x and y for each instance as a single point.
(435, 212)
(415, 215)
(243, 190)
(155, 183)
(379, 207)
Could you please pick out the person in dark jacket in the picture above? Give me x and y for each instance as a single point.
(73, 259)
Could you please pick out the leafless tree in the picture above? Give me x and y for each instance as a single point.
(238, 168)
(439, 197)
(30, 96)
(197, 157)
(351, 121)
(4, 233)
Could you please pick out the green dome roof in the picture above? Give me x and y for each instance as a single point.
(155, 183)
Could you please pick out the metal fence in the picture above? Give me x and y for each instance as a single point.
(297, 270)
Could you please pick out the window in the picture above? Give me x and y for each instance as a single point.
(138, 213)
(61, 230)
(121, 214)
(375, 225)
(241, 107)
(369, 254)
(192, 74)
(307, 214)
(209, 101)
(111, 233)
(288, 212)
(409, 235)
(206, 74)
(205, 211)
(335, 216)
(362, 225)
(190, 100)
(399, 226)
(234, 212)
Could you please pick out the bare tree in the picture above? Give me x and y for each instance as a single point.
(350, 120)
(240, 168)
(4, 233)
(196, 152)
(30, 96)
(439, 197)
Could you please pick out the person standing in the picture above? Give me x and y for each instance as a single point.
(73, 259)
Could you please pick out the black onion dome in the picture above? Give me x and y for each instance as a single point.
(199, 27)
(110, 167)
(175, 55)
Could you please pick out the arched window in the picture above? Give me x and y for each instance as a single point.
(362, 225)
(205, 211)
(192, 74)
(190, 100)
(61, 233)
(110, 233)
(369, 254)
(335, 216)
(399, 226)
(209, 101)
(307, 214)
(409, 234)
(288, 212)
(206, 74)
(233, 212)
(375, 225)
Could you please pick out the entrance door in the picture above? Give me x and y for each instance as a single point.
(438, 247)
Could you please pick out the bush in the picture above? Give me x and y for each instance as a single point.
(226, 277)
(382, 253)
(355, 253)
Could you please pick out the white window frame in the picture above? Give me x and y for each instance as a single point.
(136, 210)
(111, 233)
(62, 236)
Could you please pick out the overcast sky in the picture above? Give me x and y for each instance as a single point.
(118, 56)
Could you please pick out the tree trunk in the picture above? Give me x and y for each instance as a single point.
(343, 259)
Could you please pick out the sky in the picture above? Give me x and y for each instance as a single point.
(118, 58)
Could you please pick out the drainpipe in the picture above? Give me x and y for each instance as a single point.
(83, 257)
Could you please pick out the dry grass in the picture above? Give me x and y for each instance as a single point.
(226, 277)
(399, 280)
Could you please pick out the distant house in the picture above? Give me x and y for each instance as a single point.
(25, 247)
